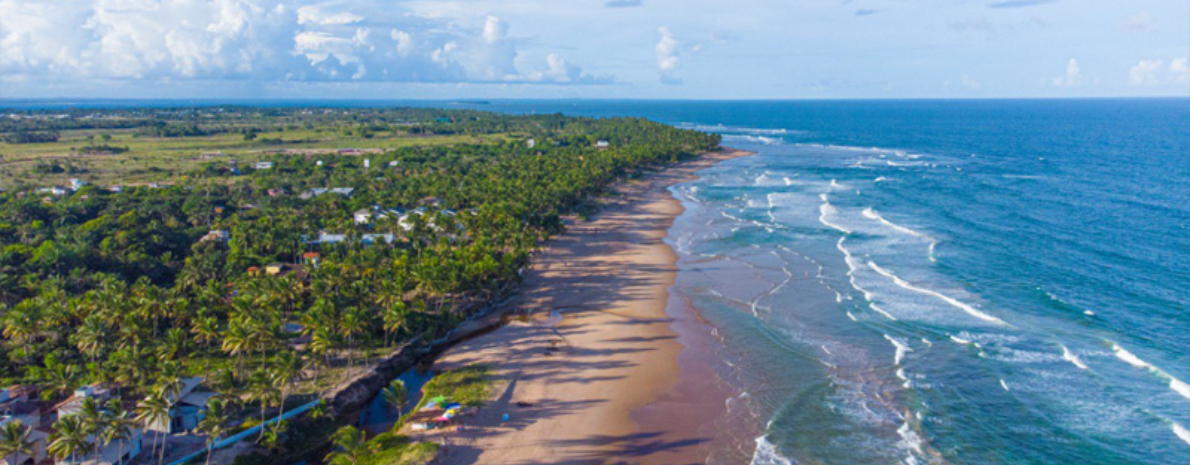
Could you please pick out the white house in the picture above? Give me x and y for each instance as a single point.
(601, 144)
(115, 453)
(264, 165)
(187, 410)
(76, 184)
(40, 442)
(217, 235)
(530, 143)
(362, 216)
(53, 190)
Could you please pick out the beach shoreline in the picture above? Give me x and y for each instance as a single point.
(607, 367)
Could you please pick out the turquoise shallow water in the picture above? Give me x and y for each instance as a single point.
(941, 281)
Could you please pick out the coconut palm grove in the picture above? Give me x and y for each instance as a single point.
(206, 270)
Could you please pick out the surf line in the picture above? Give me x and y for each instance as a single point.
(943, 297)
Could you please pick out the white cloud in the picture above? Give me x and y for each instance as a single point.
(1180, 70)
(970, 82)
(260, 40)
(1140, 22)
(1145, 73)
(1155, 73)
(1073, 76)
(668, 57)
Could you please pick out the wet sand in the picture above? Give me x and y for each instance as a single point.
(594, 376)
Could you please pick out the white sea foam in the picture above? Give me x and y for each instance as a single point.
(910, 440)
(879, 179)
(1175, 384)
(752, 139)
(852, 317)
(943, 297)
(872, 214)
(1070, 357)
(927, 342)
(960, 340)
(882, 311)
(828, 211)
(901, 348)
(903, 377)
(767, 454)
(1181, 432)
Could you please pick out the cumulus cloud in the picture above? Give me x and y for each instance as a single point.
(1140, 22)
(1145, 72)
(970, 82)
(1154, 72)
(262, 40)
(1073, 76)
(1180, 69)
(668, 57)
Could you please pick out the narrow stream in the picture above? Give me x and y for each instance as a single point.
(379, 416)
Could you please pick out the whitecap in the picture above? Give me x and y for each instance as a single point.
(1004, 385)
(873, 214)
(901, 348)
(1175, 384)
(766, 454)
(1070, 357)
(943, 297)
(1181, 432)
(828, 211)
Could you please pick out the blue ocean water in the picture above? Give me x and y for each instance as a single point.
(1000, 282)
(952, 282)
(940, 281)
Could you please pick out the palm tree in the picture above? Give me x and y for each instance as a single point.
(352, 324)
(261, 389)
(275, 434)
(350, 446)
(90, 339)
(69, 438)
(214, 422)
(394, 319)
(237, 341)
(119, 426)
(286, 367)
(154, 410)
(93, 418)
(206, 331)
(396, 396)
(15, 441)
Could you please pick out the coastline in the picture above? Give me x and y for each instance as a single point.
(607, 365)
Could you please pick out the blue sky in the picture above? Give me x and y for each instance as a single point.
(746, 49)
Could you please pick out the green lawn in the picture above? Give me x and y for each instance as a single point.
(154, 159)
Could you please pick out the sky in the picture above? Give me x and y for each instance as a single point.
(656, 49)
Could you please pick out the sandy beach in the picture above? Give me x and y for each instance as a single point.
(594, 376)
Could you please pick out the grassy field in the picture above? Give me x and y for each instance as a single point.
(153, 159)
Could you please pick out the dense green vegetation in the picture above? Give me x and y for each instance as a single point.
(129, 287)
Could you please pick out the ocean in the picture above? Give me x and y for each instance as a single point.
(971, 282)
(968, 282)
